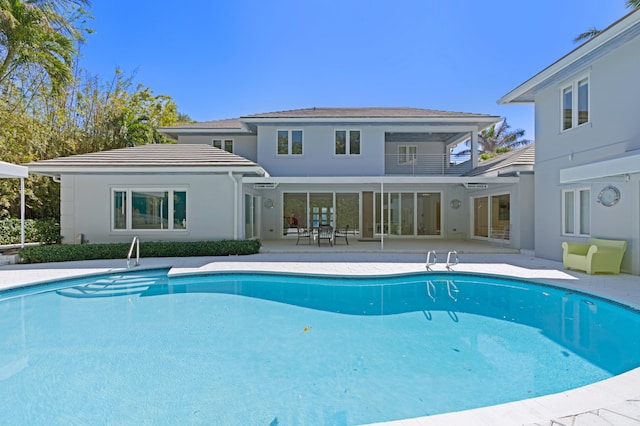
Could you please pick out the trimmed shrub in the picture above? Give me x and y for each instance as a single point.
(69, 252)
(45, 231)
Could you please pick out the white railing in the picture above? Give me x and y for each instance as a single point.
(135, 243)
(427, 164)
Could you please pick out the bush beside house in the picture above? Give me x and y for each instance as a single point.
(69, 252)
(46, 231)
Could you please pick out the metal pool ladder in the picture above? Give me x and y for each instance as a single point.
(455, 260)
(135, 243)
(429, 264)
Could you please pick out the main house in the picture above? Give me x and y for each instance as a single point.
(383, 172)
(587, 169)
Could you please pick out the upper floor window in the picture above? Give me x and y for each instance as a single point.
(347, 142)
(576, 212)
(575, 104)
(407, 154)
(289, 142)
(226, 144)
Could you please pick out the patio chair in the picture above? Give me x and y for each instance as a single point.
(303, 233)
(501, 236)
(341, 234)
(325, 232)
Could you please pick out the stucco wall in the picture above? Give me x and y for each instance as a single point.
(86, 204)
(319, 158)
(244, 146)
(614, 129)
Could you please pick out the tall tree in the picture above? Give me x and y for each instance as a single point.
(497, 139)
(40, 34)
(500, 138)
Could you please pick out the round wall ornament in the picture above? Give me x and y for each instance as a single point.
(268, 203)
(609, 196)
(455, 204)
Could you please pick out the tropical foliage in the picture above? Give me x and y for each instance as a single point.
(498, 139)
(49, 107)
(593, 31)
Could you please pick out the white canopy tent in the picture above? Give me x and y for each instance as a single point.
(8, 170)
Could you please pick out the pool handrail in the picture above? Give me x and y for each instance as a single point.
(136, 243)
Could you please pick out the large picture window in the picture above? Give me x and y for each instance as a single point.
(152, 209)
(289, 142)
(576, 212)
(575, 104)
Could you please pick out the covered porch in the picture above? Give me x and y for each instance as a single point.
(406, 246)
(389, 213)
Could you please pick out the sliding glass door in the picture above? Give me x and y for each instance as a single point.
(409, 213)
(491, 216)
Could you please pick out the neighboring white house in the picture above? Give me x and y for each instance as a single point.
(587, 120)
(384, 172)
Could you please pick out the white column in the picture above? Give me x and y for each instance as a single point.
(382, 216)
(474, 149)
(22, 212)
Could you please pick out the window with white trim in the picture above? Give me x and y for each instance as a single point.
(407, 154)
(575, 109)
(347, 142)
(576, 212)
(149, 209)
(225, 144)
(289, 142)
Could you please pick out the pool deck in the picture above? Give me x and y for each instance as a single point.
(615, 401)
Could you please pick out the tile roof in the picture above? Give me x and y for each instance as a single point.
(167, 155)
(229, 123)
(377, 112)
(521, 157)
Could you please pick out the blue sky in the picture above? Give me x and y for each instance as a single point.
(226, 58)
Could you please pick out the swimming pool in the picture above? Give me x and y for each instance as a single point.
(235, 348)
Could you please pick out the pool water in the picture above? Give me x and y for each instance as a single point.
(268, 349)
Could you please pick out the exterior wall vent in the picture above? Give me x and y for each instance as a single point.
(475, 185)
(272, 185)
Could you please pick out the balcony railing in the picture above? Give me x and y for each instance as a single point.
(427, 164)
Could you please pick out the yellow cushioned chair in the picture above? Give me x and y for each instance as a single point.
(597, 255)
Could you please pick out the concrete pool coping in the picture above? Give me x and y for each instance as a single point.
(612, 401)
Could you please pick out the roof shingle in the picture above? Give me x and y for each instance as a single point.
(169, 155)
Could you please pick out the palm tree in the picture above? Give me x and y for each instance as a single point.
(587, 35)
(593, 31)
(498, 139)
(38, 33)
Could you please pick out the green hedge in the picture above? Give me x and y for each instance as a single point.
(35, 231)
(68, 252)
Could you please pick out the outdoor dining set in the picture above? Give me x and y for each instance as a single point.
(321, 233)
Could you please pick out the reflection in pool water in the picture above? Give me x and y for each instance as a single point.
(238, 348)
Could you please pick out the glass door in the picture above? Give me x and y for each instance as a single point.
(321, 205)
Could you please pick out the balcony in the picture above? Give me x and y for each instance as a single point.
(427, 164)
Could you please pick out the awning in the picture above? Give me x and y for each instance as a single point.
(625, 164)
(8, 170)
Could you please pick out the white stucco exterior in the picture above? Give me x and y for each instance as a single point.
(115, 195)
(581, 157)
(210, 207)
